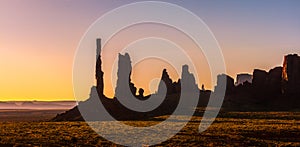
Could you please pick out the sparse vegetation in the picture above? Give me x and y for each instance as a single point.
(229, 129)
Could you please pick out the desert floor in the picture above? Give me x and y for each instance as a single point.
(31, 128)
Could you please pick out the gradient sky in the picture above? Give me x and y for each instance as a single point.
(38, 39)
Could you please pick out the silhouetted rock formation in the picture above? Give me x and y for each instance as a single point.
(165, 81)
(99, 72)
(229, 83)
(141, 95)
(274, 81)
(187, 76)
(242, 78)
(172, 87)
(124, 80)
(95, 94)
(75, 115)
(291, 75)
(259, 80)
(124, 89)
(278, 89)
(267, 84)
(262, 94)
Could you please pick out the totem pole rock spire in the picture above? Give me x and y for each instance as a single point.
(99, 72)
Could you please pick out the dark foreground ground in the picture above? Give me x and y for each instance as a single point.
(229, 129)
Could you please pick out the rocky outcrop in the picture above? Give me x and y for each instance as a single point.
(166, 82)
(171, 87)
(267, 84)
(291, 75)
(259, 81)
(124, 84)
(273, 81)
(229, 87)
(188, 77)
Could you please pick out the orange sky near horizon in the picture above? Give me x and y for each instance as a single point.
(38, 41)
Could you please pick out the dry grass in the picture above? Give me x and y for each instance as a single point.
(251, 129)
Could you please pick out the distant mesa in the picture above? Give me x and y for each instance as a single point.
(242, 78)
(278, 89)
(275, 90)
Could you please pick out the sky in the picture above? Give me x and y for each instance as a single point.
(38, 40)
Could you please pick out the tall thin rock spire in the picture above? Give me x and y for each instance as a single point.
(99, 72)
